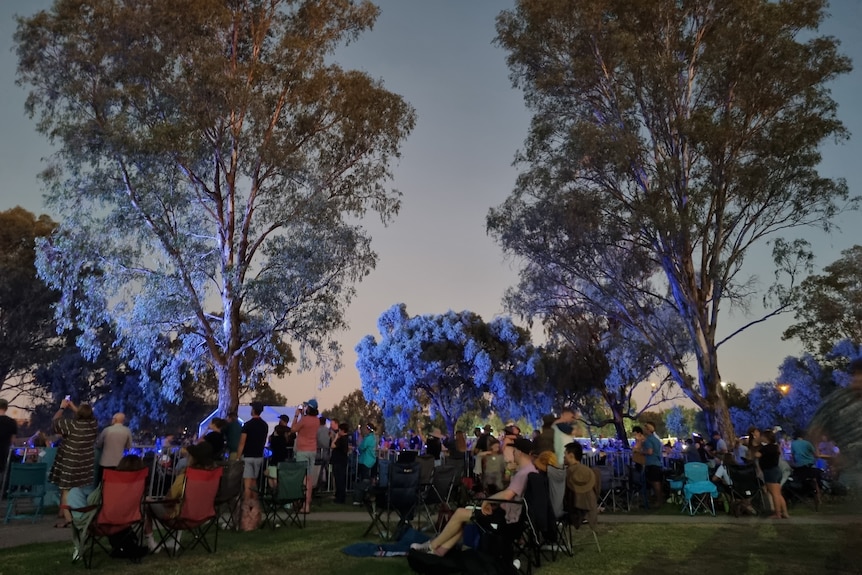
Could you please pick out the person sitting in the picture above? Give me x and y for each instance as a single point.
(581, 484)
(200, 457)
(86, 496)
(494, 509)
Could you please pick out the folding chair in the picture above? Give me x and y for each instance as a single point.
(118, 511)
(229, 494)
(197, 512)
(375, 501)
(698, 490)
(541, 535)
(426, 477)
(609, 488)
(562, 523)
(746, 487)
(27, 481)
(282, 504)
(397, 492)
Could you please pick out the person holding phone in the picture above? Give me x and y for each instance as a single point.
(75, 461)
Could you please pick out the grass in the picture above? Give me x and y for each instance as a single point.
(762, 547)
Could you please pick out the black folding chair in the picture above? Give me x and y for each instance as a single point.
(747, 489)
(397, 494)
(229, 494)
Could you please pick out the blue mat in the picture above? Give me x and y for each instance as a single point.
(397, 549)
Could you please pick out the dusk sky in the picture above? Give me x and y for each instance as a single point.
(455, 166)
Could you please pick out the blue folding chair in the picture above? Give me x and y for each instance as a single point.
(698, 490)
(26, 481)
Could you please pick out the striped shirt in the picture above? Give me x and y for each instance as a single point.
(75, 460)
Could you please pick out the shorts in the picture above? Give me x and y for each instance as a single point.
(252, 467)
(772, 475)
(653, 473)
(308, 457)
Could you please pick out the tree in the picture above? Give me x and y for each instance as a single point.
(355, 410)
(452, 361)
(605, 361)
(28, 334)
(212, 170)
(668, 139)
(829, 306)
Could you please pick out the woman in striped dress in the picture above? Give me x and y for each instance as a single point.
(74, 464)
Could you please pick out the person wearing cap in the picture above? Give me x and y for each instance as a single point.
(305, 426)
(494, 509)
(252, 440)
(367, 451)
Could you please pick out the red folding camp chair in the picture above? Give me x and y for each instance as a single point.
(197, 512)
(119, 512)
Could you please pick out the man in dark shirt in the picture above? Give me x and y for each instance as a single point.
(8, 431)
(251, 443)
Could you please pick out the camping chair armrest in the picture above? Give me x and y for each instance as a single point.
(163, 501)
(80, 509)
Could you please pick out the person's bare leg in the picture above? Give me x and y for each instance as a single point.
(249, 488)
(452, 532)
(309, 492)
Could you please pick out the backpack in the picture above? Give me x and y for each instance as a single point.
(251, 516)
(125, 544)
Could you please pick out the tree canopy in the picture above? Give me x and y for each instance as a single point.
(213, 166)
(451, 361)
(668, 139)
(28, 333)
(829, 305)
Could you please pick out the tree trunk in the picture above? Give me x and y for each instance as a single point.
(228, 387)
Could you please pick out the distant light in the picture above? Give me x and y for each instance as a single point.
(784, 388)
(723, 384)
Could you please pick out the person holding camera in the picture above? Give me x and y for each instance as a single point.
(76, 457)
(305, 425)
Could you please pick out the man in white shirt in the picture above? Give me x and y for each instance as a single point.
(114, 441)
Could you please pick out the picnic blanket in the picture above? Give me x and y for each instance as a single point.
(398, 549)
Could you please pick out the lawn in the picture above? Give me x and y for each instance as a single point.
(762, 547)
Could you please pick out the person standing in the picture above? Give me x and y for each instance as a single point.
(770, 454)
(339, 459)
(8, 431)
(324, 445)
(252, 440)
(367, 452)
(232, 432)
(113, 441)
(652, 459)
(305, 425)
(76, 456)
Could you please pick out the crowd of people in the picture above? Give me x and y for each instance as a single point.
(498, 463)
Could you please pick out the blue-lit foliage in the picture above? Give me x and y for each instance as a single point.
(211, 183)
(449, 362)
(676, 422)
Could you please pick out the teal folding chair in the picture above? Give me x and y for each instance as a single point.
(27, 481)
(698, 490)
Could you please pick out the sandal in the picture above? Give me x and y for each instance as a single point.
(62, 524)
